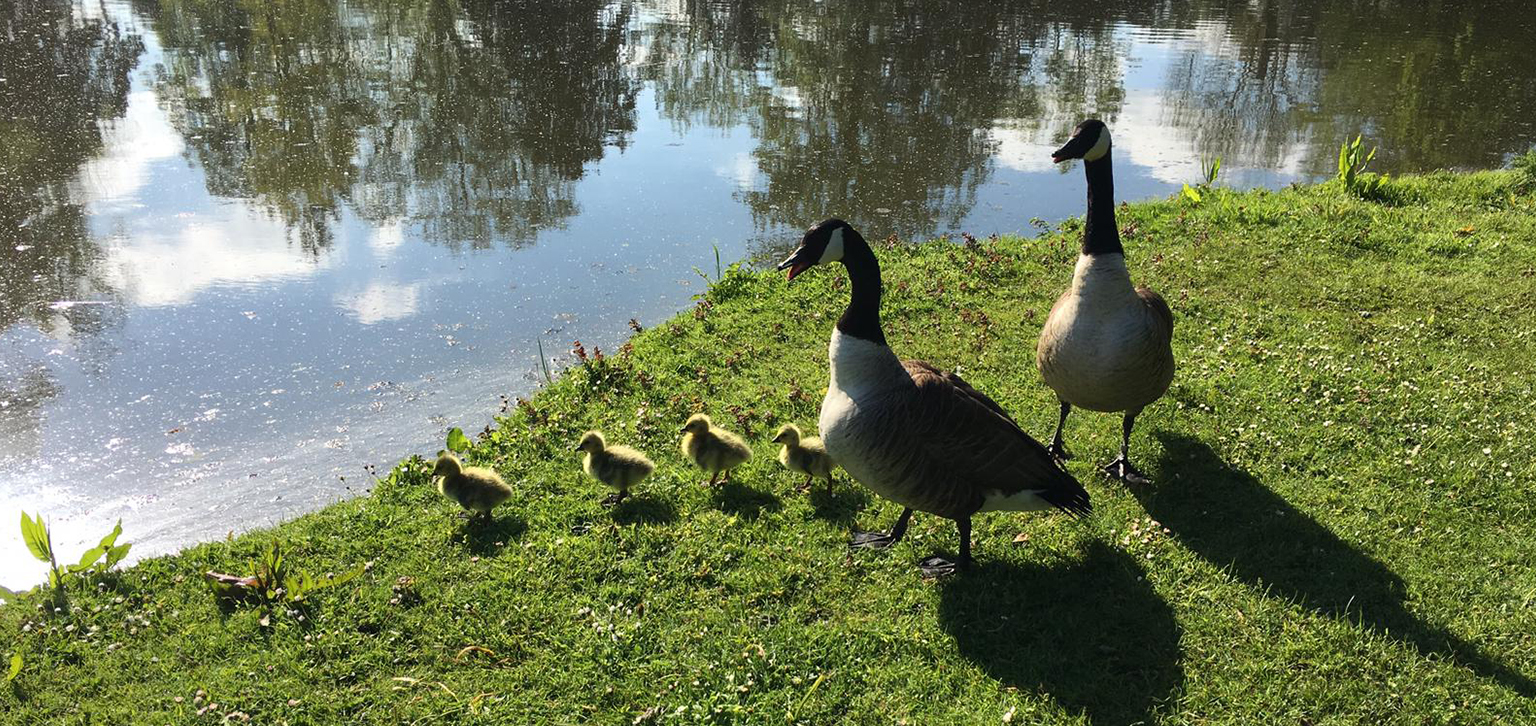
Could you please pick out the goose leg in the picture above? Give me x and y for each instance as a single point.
(1058, 448)
(615, 497)
(937, 566)
(712, 478)
(807, 485)
(882, 540)
(1121, 467)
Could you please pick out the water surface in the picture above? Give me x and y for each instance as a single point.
(248, 247)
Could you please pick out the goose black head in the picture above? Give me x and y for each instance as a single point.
(821, 244)
(1089, 142)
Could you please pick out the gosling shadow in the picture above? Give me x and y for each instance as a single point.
(1093, 635)
(1230, 518)
(643, 509)
(839, 503)
(744, 501)
(487, 538)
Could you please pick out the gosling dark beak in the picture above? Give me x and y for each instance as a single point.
(797, 263)
(683, 430)
(576, 448)
(1073, 149)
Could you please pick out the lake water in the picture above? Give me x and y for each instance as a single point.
(247, 247)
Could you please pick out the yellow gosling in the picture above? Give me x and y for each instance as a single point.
(712, 448)
(804, 454)
(475, 488)
(620, 467)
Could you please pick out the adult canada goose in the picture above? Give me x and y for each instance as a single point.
(804, 454)
(620, 467)
(475, 488)
(912, 433)
(713, 448)
(1107, 345)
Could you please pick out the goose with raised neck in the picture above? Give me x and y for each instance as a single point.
(912, 433)
(1107, 344)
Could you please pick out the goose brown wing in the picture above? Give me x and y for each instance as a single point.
(1159, 308)
(971, 447)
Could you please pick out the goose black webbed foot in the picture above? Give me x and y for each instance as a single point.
(1122, 470)
(937, 566)
(1058, 450)
(614, 498)
(873, 540)
(882, 540)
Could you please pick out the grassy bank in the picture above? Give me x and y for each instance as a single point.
(1340, 529)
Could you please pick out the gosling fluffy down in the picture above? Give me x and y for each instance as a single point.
(804, 454)
(475, 488)
(620, 467)
(712, 448)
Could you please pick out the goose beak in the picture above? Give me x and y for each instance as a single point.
(1073, 149)
(797, 263)
(576, 447)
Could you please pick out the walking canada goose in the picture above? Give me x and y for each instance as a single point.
(475, 488)
(912, 433)
(712, 448)
(620, 467)
(1107, 345)
(804, 454)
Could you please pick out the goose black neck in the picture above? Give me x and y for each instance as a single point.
(862, 318)
(1100, 233)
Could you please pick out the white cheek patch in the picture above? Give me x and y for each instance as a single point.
(1100, 147)
(834, 250)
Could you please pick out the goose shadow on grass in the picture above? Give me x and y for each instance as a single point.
(744, 501)
(839, 503)
(487, 538)
(1092, 635)
(1233, 520)
(643, 509)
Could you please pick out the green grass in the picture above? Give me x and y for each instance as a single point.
(1340, 530)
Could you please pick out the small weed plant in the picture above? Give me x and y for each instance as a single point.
(97, 560)
(278, 583)
(1210, 169)
(1353, 160)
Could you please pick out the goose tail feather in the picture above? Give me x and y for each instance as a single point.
(1067, 495)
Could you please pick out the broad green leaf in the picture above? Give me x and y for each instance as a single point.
(1191, 193)
(89, 558)
(457, 441)
(338, 579)
(116, 555)
(15, 668)
(111, 539)
(36, 535)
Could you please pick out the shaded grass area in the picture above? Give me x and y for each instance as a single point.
(1339, 530)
